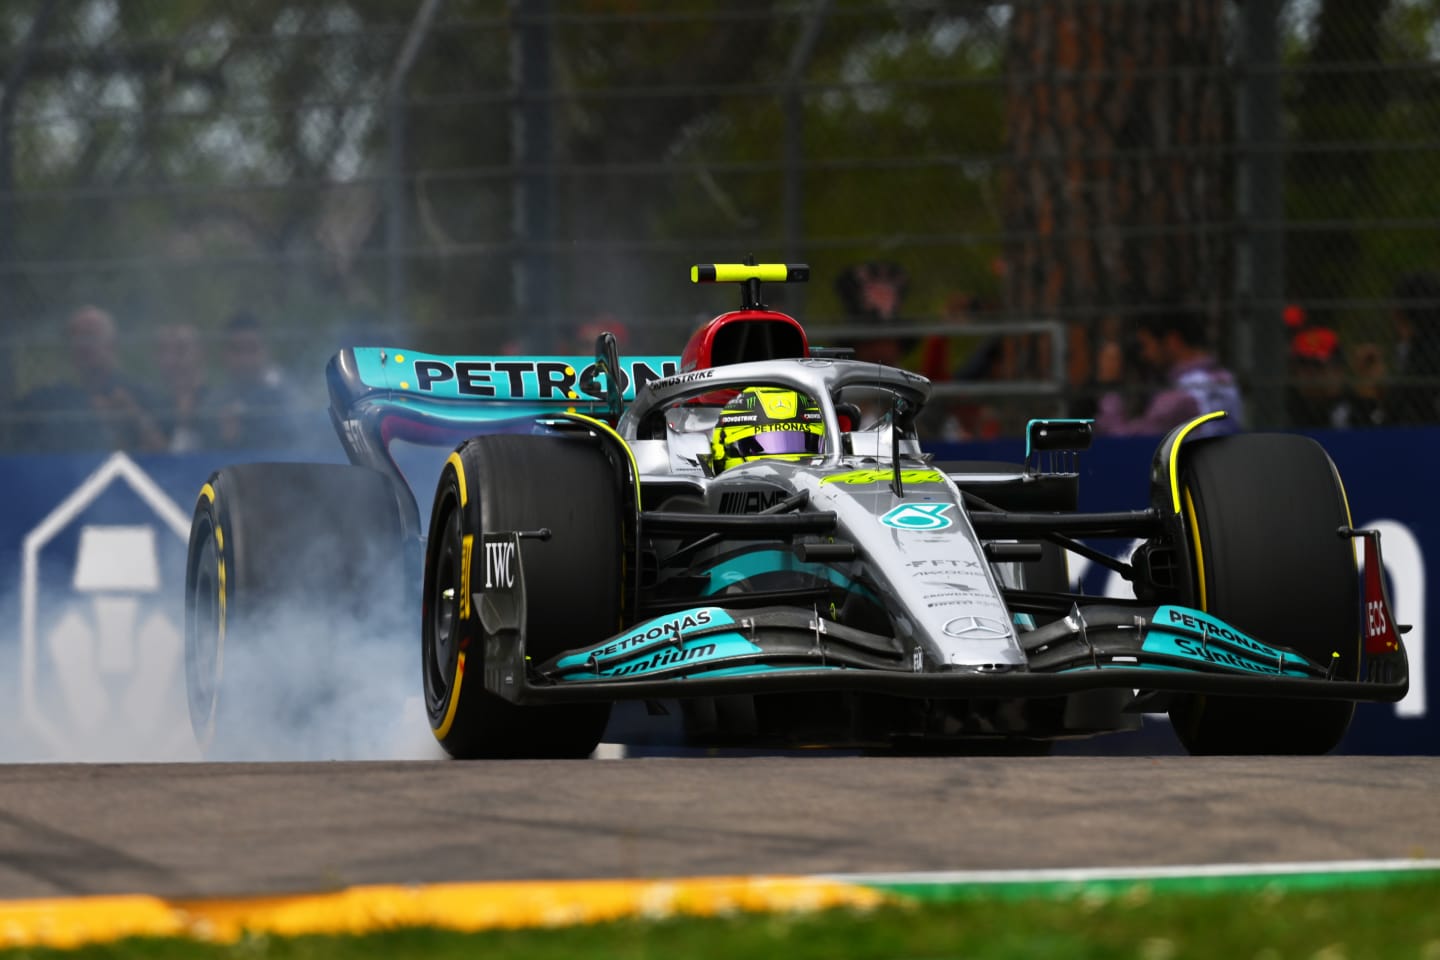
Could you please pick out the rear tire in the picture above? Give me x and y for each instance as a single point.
(501, 483)
(296, 605)
(1267, 558)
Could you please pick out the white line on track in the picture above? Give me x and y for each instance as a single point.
(1090, 874)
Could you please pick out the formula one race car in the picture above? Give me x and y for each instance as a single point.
(750, 539)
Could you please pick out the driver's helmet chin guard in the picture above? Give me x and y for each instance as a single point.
(767, 423)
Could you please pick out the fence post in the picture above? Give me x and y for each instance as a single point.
(396, 224)
(1260, 214)
(794, 205)
(532, 149)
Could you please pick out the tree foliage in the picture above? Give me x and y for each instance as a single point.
(175, 159)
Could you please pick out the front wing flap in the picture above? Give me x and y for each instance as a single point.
(702, 640)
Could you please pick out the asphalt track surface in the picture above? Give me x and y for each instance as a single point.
(188, 830)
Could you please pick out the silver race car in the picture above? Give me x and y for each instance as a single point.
(750, 541)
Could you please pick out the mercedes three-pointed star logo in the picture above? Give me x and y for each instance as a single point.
(976, 628)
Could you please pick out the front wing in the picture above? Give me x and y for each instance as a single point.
(715, 650)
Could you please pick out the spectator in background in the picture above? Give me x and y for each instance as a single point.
(1171, 341)
(98, 407)
(181, 360)
(1367, 386)
(1320, 393)
(966, 358)
(582, 342)
(254, 408)
(872, 293)
(1413, 395)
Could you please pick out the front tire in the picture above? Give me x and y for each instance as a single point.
(1262, 513)
(502, 483)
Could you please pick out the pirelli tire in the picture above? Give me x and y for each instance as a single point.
(297, 600)
(573, 581)
(1262, 513)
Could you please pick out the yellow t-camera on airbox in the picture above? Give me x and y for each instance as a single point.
(750, 276)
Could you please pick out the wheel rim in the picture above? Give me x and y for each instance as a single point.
(442, 601)
(204, 646)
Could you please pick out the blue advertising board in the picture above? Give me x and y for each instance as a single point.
(92, 553)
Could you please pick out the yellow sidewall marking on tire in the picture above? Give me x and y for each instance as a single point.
(465, 907)
(443, 731)
(220, 577)
(1354, 558)
(610, 431)
(467, 550)
(1199, 550)
(454, 461)
(1175, 452)
(207, 493)
(1194, 725)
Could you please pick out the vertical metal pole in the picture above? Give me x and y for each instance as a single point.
(397, 313)
(1259, 214)
(532, 148)
(9, 302)
(794, 200)
(14, 82)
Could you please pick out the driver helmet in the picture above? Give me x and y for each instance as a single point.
(767, 423)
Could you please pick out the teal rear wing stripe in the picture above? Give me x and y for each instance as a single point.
(544, 379)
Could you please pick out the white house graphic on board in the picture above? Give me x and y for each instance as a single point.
(102, 668)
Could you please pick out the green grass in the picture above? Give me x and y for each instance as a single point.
(1398, 920)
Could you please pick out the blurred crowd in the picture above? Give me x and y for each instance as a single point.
(1141, 373)
(1151, 370)
(178, 404)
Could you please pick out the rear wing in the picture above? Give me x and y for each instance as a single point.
(551, 382)
(379, 395)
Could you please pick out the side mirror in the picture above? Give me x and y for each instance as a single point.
(1074, 435)
(607, 358)
(1060, 440)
